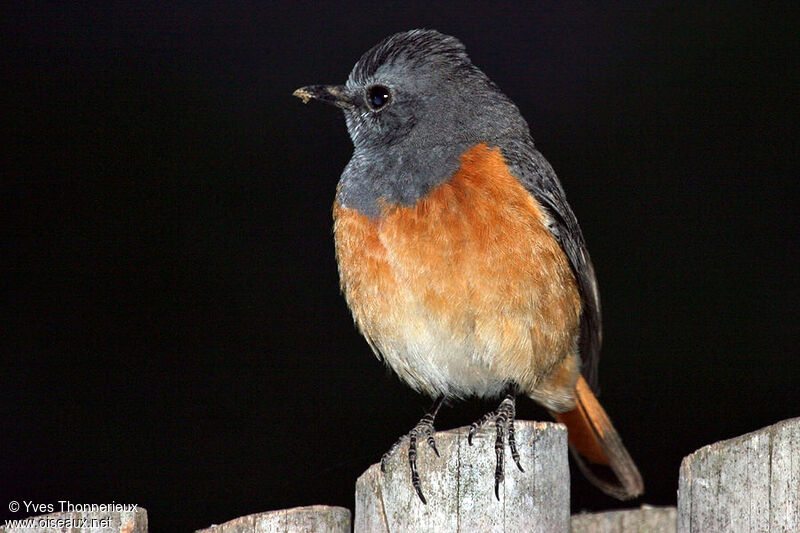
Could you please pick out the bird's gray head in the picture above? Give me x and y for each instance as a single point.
(413, 104)
(419, 84)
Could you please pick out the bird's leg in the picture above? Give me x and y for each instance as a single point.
(423, 429)
(503, 419)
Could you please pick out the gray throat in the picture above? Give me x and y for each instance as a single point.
(404, 173)
(399, 175)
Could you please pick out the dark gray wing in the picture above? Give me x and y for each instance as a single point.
(540, 180)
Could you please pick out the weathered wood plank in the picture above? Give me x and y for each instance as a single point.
(134, 521)
(644, 520)
(459, 486)
(749, 483)
(311, 519)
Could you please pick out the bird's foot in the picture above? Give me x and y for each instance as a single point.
(423, 430)
(503, 420)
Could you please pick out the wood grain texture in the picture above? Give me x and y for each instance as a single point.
(644, 520)
(86, 522)
(749, 483)
(311, 519)
(459, 486)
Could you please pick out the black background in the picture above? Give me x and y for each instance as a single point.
(173, 334)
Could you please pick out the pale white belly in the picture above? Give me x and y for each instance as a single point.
(437, 359)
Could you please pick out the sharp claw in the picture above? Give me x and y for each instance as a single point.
(432, 444)
(412, 463)
(504, 422)
(421, 497)
(424, 428)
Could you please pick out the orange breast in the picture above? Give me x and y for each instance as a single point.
(467, 289)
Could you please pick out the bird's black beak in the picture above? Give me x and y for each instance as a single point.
(337, 95)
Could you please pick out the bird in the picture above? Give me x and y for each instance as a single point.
(459, 257)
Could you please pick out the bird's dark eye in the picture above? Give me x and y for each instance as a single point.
(377, 96)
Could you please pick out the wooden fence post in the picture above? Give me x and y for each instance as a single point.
(134, 521)
(750, 483)
(644, 520)
(459, 486)
(311, 519)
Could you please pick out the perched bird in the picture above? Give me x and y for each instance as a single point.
(459, 257)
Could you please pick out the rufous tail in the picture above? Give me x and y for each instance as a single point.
(597, 447)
